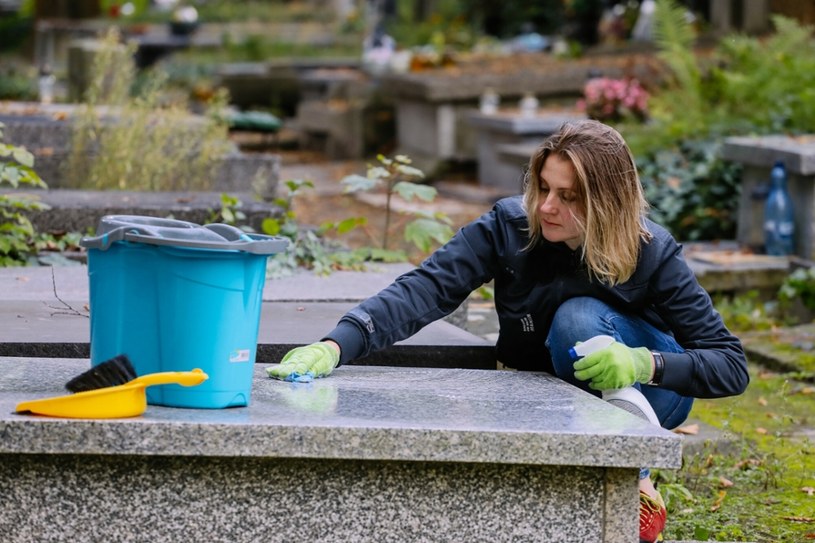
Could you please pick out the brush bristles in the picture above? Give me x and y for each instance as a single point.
(113, 372)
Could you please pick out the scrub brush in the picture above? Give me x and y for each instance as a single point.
(116, 371)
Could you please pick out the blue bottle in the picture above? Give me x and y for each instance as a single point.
(779, 225)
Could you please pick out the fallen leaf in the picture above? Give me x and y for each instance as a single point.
(808, 390)
(718, 503)
(809, 490)
(762, 431)
(690, 429)
(809, 536)
(762, 401)
(747, 463)
(724, 482)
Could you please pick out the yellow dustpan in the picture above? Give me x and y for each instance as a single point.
(127, 400)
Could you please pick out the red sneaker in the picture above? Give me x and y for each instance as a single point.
(652, 518)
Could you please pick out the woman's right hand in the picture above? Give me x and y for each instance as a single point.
(303, 364)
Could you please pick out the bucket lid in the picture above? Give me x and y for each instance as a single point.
(158, 231)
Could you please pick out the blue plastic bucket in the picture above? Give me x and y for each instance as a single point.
(174, 296)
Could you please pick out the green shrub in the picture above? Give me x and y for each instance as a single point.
(140, 142)
(309, 247)
(746, 85)
(17, 234)
(395, 175)
(18, 83)
(692, 191)
(799, 285)
(765, 85)
(15, 29)
(313, 249)
(748, 312)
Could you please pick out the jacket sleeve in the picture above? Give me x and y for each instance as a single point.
(425, 294)
(713, 364)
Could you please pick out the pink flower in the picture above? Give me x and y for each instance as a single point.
(614, 99)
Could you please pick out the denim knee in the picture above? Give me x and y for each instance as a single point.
(579, 319)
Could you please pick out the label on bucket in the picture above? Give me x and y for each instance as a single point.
(239, 355)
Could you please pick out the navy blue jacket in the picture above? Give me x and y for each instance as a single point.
(663, 291)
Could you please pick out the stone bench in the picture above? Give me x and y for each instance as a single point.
(433, 107)
(275, 83)
(506, 140)
(342, 114)
(424, 441)
(46, 315)
(757, 155)
(46, 131)
(370, 453)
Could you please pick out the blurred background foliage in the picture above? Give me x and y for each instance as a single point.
(712, 89)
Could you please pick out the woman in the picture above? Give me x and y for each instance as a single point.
(575, 257)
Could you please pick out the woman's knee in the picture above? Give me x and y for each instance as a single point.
(579, 319)
(678, 415)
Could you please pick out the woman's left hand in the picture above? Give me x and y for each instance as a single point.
(615, 366)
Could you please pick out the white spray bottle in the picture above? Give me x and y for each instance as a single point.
(629, 398)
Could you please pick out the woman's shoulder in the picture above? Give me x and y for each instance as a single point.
(660, 236)
(510, 208)
(662, 246)
(504, 227)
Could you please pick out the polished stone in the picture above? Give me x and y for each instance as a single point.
(359, 412)
(368, 453)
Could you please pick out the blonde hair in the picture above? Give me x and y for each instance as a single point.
(610, 202)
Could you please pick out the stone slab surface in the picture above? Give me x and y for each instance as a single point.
(515, 78)
(511, 122)
(71, 283)
(358, 413)
(798, 153)
(516, 151)
(45, 313)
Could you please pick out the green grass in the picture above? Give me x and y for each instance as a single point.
(761, 486)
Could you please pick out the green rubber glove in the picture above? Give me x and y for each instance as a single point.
(616, 366)
(304, 364)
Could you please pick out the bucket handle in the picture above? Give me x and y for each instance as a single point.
(258, 244)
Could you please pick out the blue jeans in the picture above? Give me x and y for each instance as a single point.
(579, 319)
